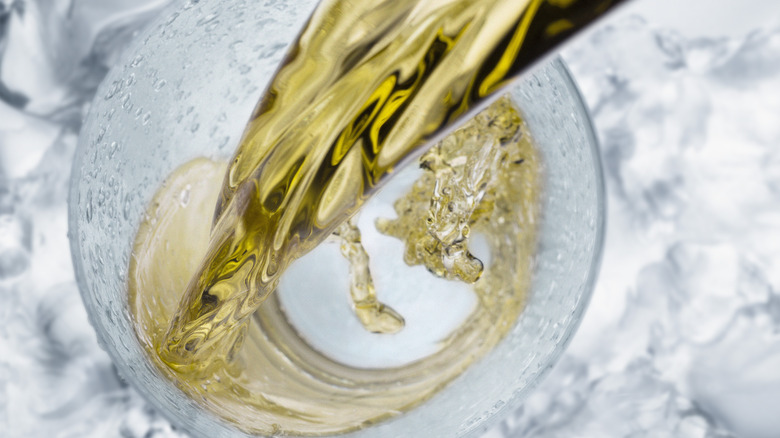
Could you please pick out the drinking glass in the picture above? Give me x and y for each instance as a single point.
(186, 89)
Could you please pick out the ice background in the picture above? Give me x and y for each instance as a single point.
(682, 337)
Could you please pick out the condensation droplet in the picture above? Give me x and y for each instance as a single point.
(112, 148)
(268, 52)
(128, 204)
(101, 197)
(88, 207)
(172, 18)
(210, 18)
(115, 185)
(126, 102)
(115, 88)
(184, 196)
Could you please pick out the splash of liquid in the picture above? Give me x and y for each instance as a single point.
(467, 171)
(376, 317)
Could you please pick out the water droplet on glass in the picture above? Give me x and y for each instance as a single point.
(101, 197)
(88, 207)
(270, 51)
(115, 88)
(184, 196)
(159, 85)
(112, 148)
(115, 185)
(172, 18)
(210, 18)
(127, 206)
(126, 102)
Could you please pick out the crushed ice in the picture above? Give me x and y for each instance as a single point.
(683, 334)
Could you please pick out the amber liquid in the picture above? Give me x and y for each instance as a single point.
(365, 89)
(482, 180)
(367, 85)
